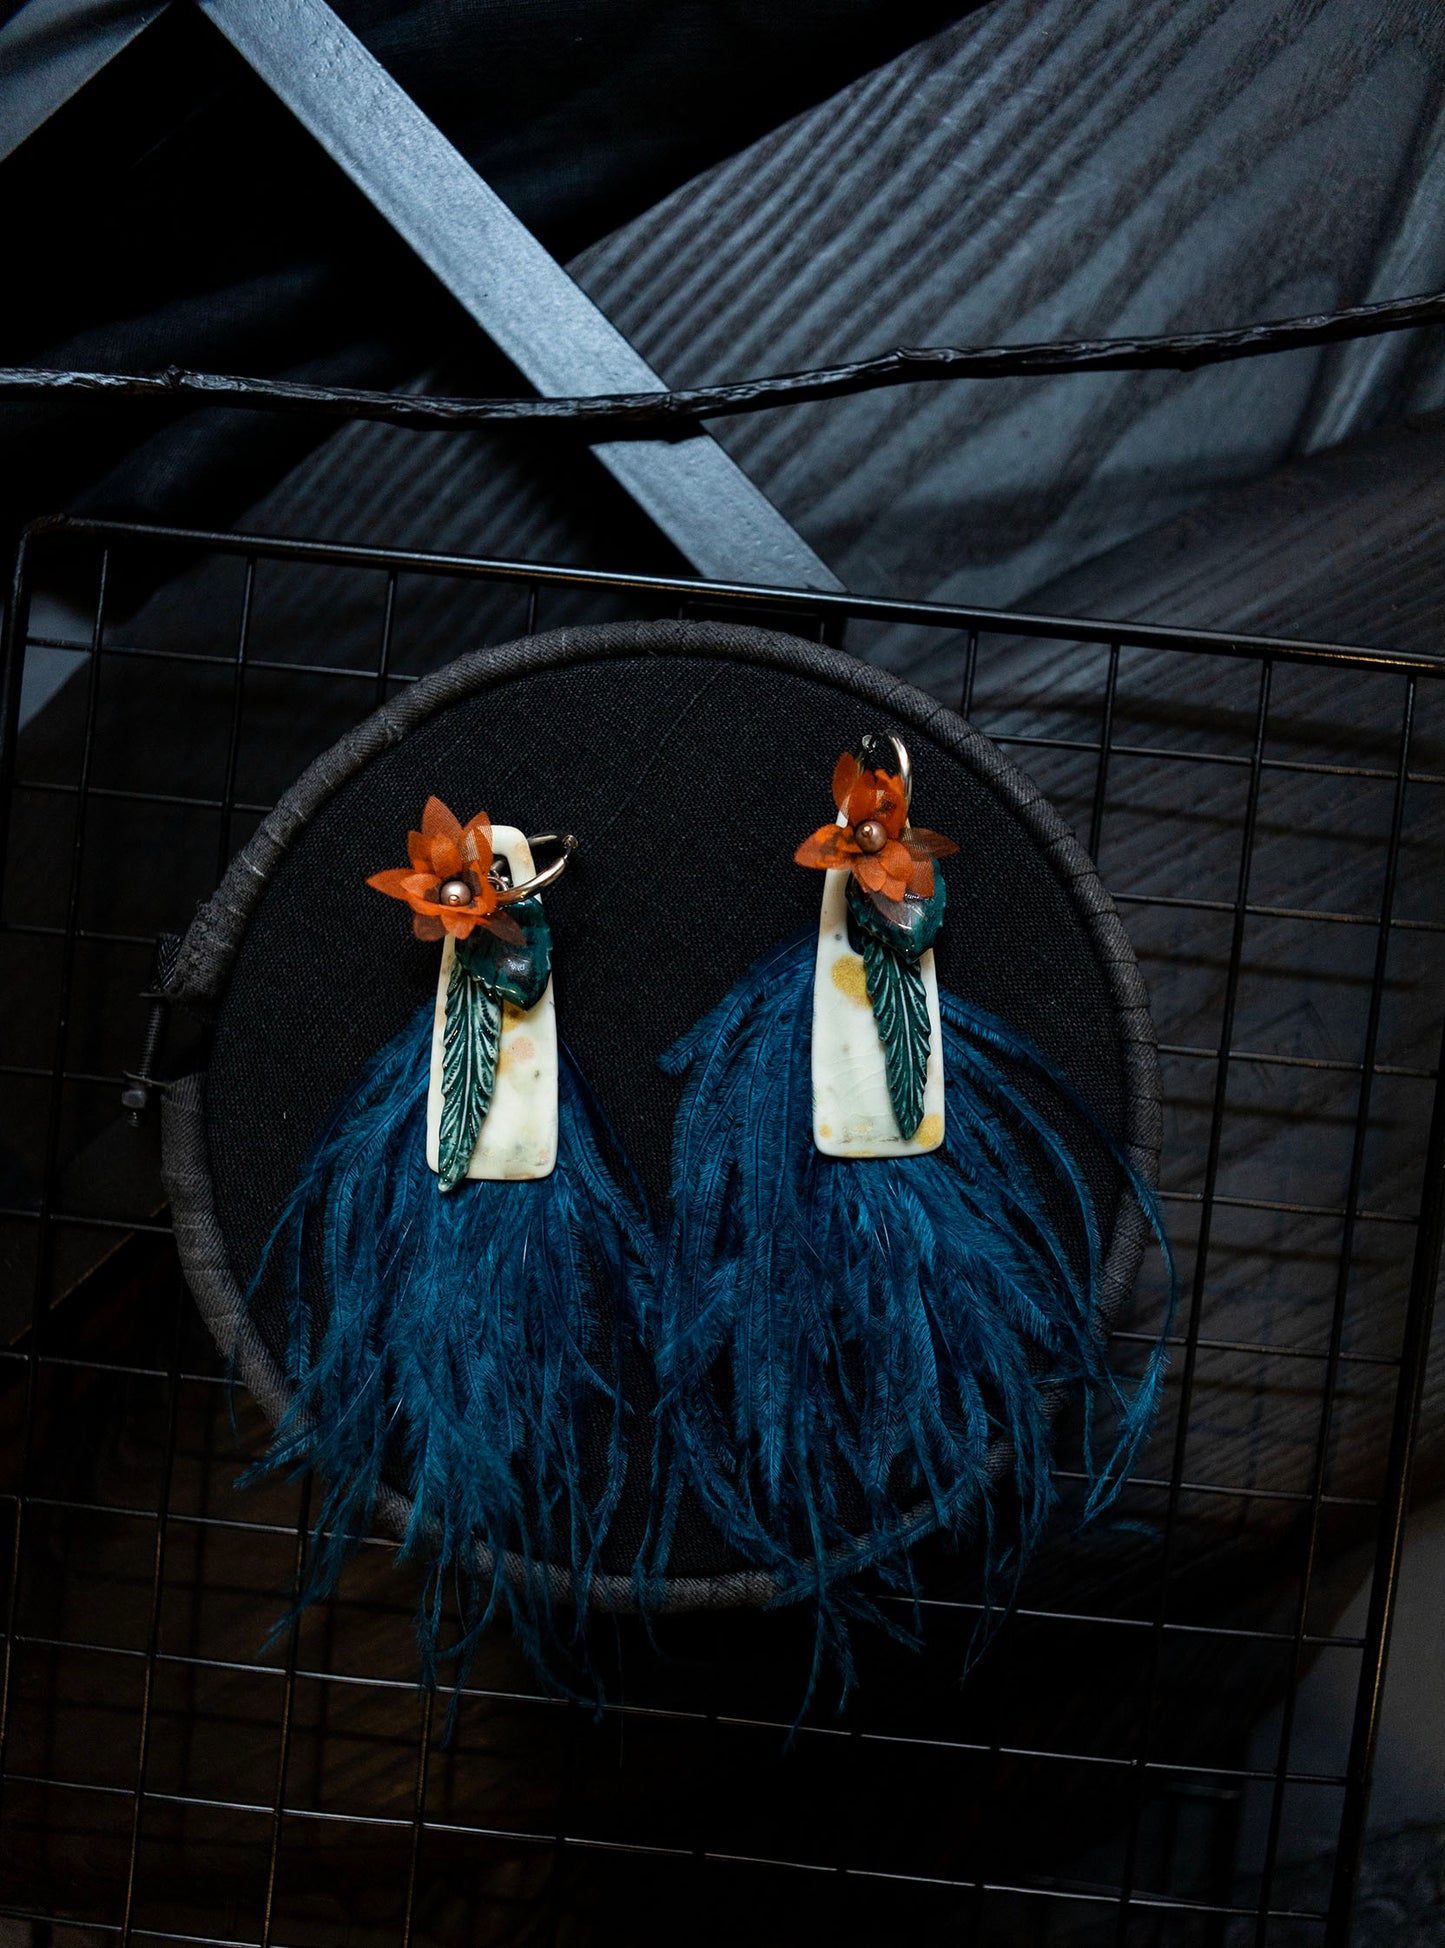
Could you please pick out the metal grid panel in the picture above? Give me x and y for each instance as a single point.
(167, 1776)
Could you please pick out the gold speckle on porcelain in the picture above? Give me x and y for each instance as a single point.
(850, 978)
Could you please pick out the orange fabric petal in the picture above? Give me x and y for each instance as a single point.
(895, 861)
(443, 860)
(829, 847)
(862, 799)
(446, 858)
(892, 805)
(463, 922)
(871, 873)
(418, 850)
(846, 773)
(928, 845)
(920, 878)
(438, 822)
(879, 795)
(476, 842)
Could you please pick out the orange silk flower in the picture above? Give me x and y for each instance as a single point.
(893, 858)
(443, 850)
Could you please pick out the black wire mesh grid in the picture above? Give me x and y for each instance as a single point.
(166, 1775)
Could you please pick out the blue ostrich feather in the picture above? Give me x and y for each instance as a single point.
(853, 1354)
(464, 1349)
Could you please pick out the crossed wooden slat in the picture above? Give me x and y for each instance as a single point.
(457, 225)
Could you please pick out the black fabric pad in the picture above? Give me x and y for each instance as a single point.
(689, 780)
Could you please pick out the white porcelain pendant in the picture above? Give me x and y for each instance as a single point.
(518, 1137)
(852, 1109)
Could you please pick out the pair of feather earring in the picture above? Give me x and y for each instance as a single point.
(878, 1274)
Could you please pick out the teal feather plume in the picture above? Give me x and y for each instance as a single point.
(855, 1353)
(464, 1349)
(851, 1354)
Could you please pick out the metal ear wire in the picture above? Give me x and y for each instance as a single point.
(549, 875)
(905, 771)
(867, 752)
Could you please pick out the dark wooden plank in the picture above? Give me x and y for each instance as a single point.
(49, 50)
(1033, 171)
(1040, 171)
(517, 292)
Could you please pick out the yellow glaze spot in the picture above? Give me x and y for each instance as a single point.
(825, 1129)
(850, 978)
(929, 1131)
(512, 1014)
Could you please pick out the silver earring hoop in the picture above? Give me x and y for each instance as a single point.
(549, 875)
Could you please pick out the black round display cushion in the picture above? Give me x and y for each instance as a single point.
(690, 759)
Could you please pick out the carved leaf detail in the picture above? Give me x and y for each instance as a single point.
(900, 1008)
(471, 1039)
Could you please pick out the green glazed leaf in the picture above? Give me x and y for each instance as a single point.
(910, 925)
(900, 1008)
(471, 1039)
(892, 938)
(515, 971)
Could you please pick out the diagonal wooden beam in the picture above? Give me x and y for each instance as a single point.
(459, 227)
(519, 294)
(49, 49)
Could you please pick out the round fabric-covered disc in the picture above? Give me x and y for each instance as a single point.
(690, 759)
